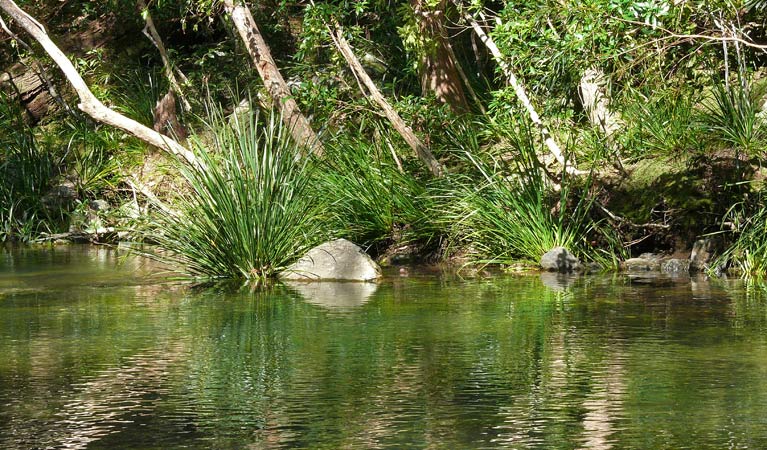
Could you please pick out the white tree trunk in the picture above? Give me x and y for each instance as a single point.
(521, 94)
(596, 103)
(88, 102)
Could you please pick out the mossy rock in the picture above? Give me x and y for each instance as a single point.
(690, 195)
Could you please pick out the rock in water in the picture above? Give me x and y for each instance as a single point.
(675, 266)
(704, 252)
(559, 259)
(334, 260)
(641, 264)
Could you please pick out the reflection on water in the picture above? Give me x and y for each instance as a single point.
(558, 282)
(333, 294)
(99, 356)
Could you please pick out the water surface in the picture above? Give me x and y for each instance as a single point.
(96, 352)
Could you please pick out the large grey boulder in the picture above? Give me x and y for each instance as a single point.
(559, 259)
(338, 260)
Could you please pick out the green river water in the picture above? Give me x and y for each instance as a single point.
(97, 352)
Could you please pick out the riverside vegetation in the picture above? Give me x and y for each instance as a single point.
(608, 127)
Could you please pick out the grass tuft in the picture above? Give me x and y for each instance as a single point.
(732, 116)
(250, 212)
(373, 200)
(512, 214)
(747, 254)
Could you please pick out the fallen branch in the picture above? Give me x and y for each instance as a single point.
(137, 186)
(624, 221)
(705, 37)
(89, 104)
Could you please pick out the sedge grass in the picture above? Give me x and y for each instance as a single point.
(249, 212)
(26, 172)
(732, 116)
(747, 255)
(372, 198)
(512, 214)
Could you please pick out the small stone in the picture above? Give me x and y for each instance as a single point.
(640, 264)
(338, 260)
(675, 266)
(559, 259)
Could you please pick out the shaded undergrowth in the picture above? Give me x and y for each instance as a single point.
(513, 212)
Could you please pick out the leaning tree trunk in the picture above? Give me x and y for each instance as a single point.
(150, 31)
(273, 81)
(375, 95)
(88, 102)
(438, 69)
(596, 103)
(521, 94)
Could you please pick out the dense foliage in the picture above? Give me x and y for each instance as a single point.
(683, 80)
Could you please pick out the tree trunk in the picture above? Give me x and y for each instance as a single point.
(375, 95)
(596, 103)
(88, 102)
(151, 33)
(438, 70)
(262, 58)
(519, 90)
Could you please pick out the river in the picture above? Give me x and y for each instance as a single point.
(98, 350)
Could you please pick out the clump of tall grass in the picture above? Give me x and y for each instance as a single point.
(249, 212)
(732, 115)
(662, 124)
(26, 171)
(747, 254)
(374, 198)
(512, 213)
(137, 93)
(91, 156)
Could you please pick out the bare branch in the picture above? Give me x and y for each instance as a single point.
(88, 102)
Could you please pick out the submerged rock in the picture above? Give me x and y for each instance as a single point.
(675, 266)
(559, 259)
(644, 263)
(338, 260)
(704, 252)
